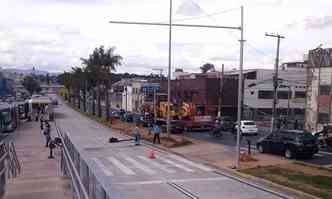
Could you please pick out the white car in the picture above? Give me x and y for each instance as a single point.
(248, 127)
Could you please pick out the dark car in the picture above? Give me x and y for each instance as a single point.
(116, 114)
(128, 117)
(290, 143)
(226, 123)
(175, 126)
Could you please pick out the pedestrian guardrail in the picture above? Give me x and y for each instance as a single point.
(84, 183)
(9, 164)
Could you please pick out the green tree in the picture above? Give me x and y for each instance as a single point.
(31, 85)
(207, 67)
(99, 67)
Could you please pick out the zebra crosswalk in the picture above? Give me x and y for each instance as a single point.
(137, 165)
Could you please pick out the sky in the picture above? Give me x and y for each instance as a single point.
(53, 35)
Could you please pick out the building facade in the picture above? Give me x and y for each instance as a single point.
(319, 75)
(128, 95)
(204, 92)
(259, 93)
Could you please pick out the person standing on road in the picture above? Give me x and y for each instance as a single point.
(156, 132)
(137, 135)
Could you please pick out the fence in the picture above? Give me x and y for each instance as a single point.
(9, 164)
(84, 182)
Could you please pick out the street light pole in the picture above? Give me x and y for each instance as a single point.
(169, 68)
(240, 93)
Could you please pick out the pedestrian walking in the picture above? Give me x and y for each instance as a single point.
(156, 132)
(41, 122)
(47, 133)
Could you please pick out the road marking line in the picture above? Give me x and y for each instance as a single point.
(140, 165)
(176, 164)
(171, 181)
(157, 165)
(318, 155)
(121, 166)
(191, 163)
(106, 171)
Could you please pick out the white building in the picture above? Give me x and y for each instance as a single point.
(259, 92)
(127, 94)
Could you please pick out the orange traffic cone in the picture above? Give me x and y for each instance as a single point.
(152, 155)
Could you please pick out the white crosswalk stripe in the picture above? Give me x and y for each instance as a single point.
(140, 165)
(176, 164)
(318, 155)
(106, 171)
(190, 163)
(154, 163)
(121, 166)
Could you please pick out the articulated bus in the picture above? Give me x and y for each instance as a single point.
(8, 118)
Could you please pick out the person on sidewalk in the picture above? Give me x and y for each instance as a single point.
(47, 134)
(41, 122)
(156, 132)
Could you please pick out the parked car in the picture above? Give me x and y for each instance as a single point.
(290, 143)
(175, 126)
(128, 117)
(116, 114)
(247, 127)
(226, 123)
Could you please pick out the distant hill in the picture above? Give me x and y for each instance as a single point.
(24, 71)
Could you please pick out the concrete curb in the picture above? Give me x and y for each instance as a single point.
(313, 165)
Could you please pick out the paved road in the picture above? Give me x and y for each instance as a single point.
(125, 171)
(323, 158)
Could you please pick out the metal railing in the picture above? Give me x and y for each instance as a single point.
(9, 165)
(84, 183)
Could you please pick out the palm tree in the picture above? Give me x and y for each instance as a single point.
(78, 76)
(67, 81)
(100, 64)
(207, 67)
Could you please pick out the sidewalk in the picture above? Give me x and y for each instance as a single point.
(222, 156)
(40, 177)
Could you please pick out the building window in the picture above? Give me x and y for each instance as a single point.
(251, 75)
(324, 90)
(300, 94)
(265, 94)
(323, 118)
(283, 94)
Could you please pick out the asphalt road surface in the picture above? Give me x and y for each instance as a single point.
(126, 171)
(322, 158)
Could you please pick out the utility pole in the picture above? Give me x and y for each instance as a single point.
(154, 105)
(275, 80)
(221, 79)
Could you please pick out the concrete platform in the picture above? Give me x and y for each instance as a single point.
(126, 171)
(40, 177)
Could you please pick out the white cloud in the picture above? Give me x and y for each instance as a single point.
(54, 34)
